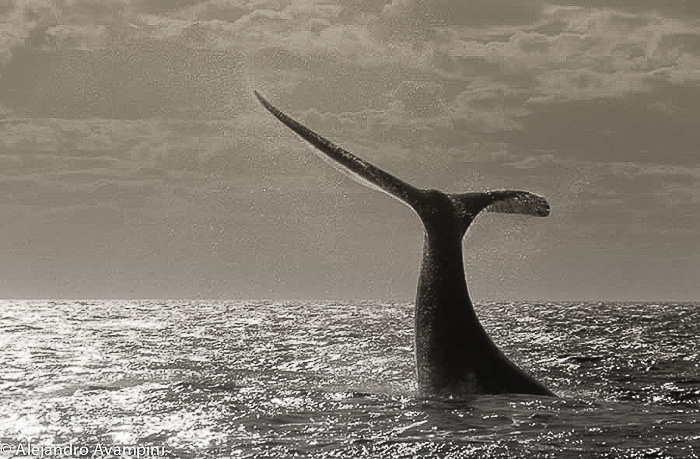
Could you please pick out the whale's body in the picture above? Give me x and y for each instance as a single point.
(454, 354)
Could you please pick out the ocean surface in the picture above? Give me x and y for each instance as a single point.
(253, 379)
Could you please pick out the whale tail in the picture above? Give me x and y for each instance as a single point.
(502, 201)
(453, 352)
(468, 205)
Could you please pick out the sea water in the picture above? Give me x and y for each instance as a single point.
(258, 379)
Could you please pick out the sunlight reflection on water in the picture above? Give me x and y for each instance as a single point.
(279, 379)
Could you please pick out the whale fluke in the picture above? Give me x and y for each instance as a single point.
(357, 168)
(367, 174)
(511, 202)
(454, 354)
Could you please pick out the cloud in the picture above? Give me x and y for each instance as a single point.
(124, 83)
(653, 127)
(417, 21)
(372, 7)
(163, 6)
(652, 202)
(56, 24)
(20, 20)
(152, 167)
(683, 9)
(576, 83)
(70, 36)
(490, 107)
(609, 198)
(217, 11)
(420, 98)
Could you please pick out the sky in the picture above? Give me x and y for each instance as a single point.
(135, 161)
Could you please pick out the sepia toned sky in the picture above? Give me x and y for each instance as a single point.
(136, 163)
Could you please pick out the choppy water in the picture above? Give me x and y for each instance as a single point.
(302, 379)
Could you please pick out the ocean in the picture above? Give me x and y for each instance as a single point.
(298, 379)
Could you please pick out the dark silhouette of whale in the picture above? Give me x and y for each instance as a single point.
(454, 355)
